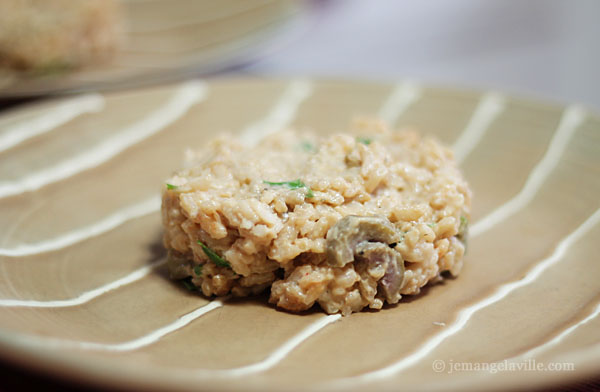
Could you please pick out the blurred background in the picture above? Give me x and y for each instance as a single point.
(546, 48)
(540, 48)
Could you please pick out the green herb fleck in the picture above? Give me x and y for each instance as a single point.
(187, 283)
(171, 186)
(462, 231)
(293, 185)
(198, 270)
(364, 140)
(464, 224)
(308, 146)
(214, 257)
(432, 225)
(51, 68)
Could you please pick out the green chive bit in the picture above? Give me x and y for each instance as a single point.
(307, 146)
(171, 186)
(198, 270)
(297, 184)
(432, 225)
(464, 223)
(290, 184)
(462, 231)
(188, 284)
(364, 140)
(215, 258)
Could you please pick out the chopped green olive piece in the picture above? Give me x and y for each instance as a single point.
(215, 258)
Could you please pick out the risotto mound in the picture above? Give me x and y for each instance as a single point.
(347, 221)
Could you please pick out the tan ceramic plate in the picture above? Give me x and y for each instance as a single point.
(83, 293)
(167, 39)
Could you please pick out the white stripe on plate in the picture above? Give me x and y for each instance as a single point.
(86, 296)
(281, 115)
(488, 109)
(184, 98)
(50, 119)
(112, 221)
(402, 96)
(146, 340)
(570, 121)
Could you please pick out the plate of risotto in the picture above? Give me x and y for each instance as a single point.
(300, 235)
(50, 46)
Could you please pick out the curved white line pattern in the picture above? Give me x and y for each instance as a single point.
(184, 98)
(583, 355)
(10, 228)
(279, 354)
(402, 96)
(281, 115)
(51, 119)
(465, 314)
(112, 221)
(558, 338)
(146, 340)
(489, 107)
(270, 361)
(86, 296)
(155, 335)
(571, 120)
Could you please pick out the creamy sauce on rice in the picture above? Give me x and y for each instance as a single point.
(243, 219)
